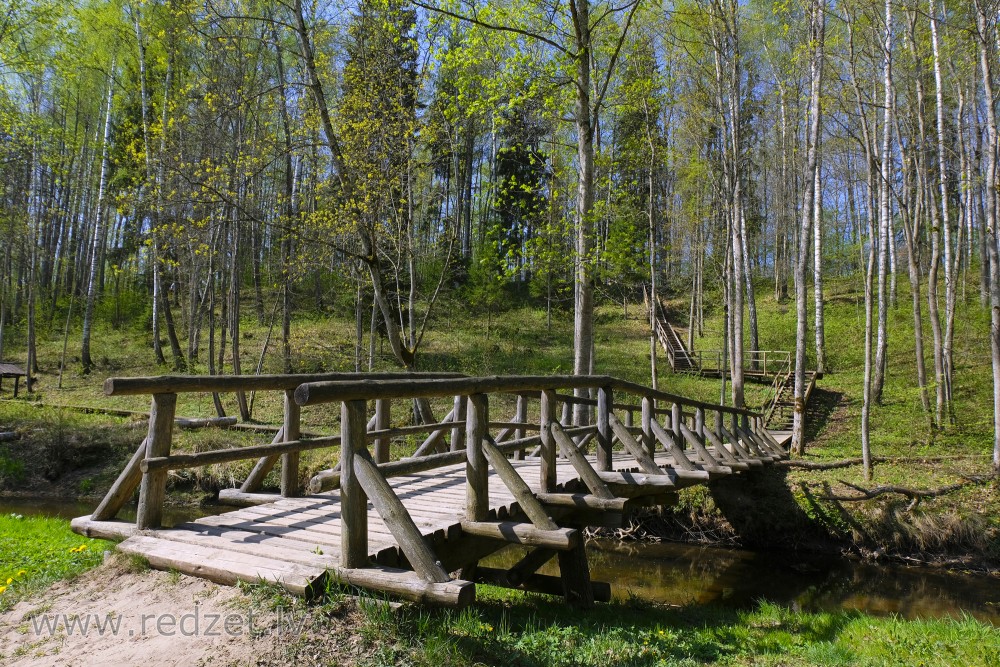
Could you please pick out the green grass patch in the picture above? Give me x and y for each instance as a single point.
(37, 551)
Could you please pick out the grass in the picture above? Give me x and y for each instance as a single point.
(37, 551)
(510, 628)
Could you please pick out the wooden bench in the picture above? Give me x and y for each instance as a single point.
(11, 371)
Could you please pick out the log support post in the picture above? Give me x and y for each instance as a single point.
(458, 433)
(648, 405)
(699, 422)
(382, 422)
(547, 469)
(675, 423)
(154, 483)
(290, 487)
(605, 441)
(353, 501)
(521, 417)
(477, 497)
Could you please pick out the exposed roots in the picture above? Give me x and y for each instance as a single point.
(915, 495)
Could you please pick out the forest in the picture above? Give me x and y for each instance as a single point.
(191, 164)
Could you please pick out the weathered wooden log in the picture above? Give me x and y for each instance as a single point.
(238, 498)
(264, 465)
(666, 438)
(575, 575)
(408, 585)
(708, 461)
(645, 461)
(588, 475)
(517, 486)
(397, 519)
(330, 479)
(477, 487)
(605, 442)
(173, 384)
(559, 539)
(311, 393)
(383, 417)
(290, 459)
(745, 450)
(433, 441)
(8, 436)
(520, 417)
(122, 488)
(582, 501)
(204, 422)
(353, 502)
(547, 480)
(179, 461)
(731, 459)
(154, 483)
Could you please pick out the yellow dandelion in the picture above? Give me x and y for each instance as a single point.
(21, 573)
(2, 589)
(10, 580)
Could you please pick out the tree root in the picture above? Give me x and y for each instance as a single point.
(847, 463)
(915, 495)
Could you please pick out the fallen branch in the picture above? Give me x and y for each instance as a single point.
(915, 495)
(847, 463)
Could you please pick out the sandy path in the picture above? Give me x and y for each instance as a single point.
(147, 617)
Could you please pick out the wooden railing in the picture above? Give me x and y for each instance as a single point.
(677, 424)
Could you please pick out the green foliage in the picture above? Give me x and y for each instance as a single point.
(36, 551)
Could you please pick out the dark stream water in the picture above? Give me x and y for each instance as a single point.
(683, 574)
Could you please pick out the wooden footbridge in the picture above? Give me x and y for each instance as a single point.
(417, 527)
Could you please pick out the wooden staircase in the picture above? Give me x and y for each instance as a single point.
(781, 412)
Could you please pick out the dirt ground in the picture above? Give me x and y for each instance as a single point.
(117, 614)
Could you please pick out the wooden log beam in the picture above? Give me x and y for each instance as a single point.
(605, 442)
(353, 501)
(732, 460)
(397, 519)
(513, 532)
(408, 585)
(433, 441)
(588, 475)
(122, 488)
(173, 384)
(517, 486)
(238, 498)
(583, 501)
(633, 447)
(709, 463)
(665, 438)
(290, 486)
(204, 422)
(265, 465)
(180, 461)
(477, 487)
(153, 487)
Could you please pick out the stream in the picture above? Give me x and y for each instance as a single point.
(681, 574)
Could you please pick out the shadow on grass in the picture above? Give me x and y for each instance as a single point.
(544, 632)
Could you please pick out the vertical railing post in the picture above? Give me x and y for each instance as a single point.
(719, 423)
(675, 424)
(547, 471)
(290, 460)
(383, 418)
(477, 489)
(154, 484)
(605, 442)
(648, 405)
(353, 501)
(520, 416)
(458, 415)
(699, 422)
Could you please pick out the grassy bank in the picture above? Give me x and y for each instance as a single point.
(37, 551)
(514, 629)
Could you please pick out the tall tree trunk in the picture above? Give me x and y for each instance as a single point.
(818, 24)
(100, 241)
(885, 217)
(986, 37)
(818, 304)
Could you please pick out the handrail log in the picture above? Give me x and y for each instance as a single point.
(313, 393)
(175, 384)
(180, 461)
